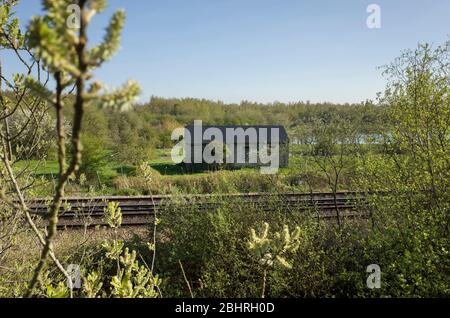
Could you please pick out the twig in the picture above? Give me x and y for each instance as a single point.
(186, 280)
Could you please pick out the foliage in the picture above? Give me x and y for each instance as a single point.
(410, 226)
(94, 156)
(61, 50)
(405, 174)
(113, 215)
(132, 280)
(271, 252)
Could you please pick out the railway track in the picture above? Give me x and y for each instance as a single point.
(139, 210)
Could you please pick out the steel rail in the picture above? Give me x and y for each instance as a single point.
(139, 210)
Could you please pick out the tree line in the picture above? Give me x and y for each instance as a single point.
(133, 136)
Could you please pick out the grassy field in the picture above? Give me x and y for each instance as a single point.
(167, 177)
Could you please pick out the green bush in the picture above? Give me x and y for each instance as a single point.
(329, 262)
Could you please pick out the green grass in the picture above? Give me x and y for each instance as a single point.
(176, 175)
(162, 163)
(40, 168)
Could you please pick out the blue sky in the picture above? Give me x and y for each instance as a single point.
(262, 50)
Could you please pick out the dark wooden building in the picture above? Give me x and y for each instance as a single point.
(249, 145)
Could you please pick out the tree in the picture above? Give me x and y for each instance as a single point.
(62, 50)
(132, 138)
(24, 126)
(409, 184)
(332, 150)
(418, 103)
